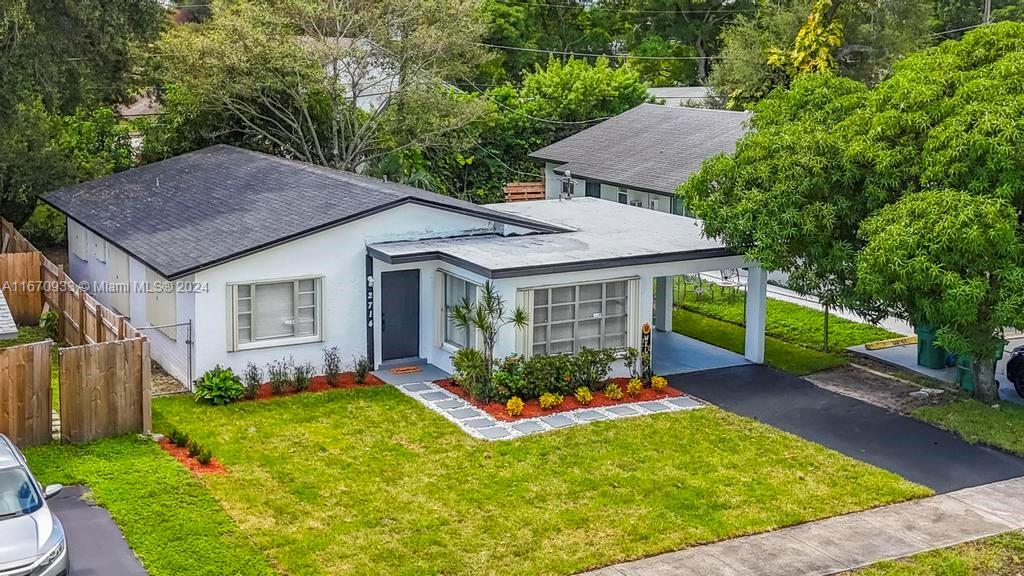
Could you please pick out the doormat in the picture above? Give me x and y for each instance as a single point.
(406, 370)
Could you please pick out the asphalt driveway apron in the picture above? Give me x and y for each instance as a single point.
(95, 544)
(913, 449)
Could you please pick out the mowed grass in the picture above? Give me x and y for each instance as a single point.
(174, 525)
(370, 482)
(785, 321)
(778, 354)
(1001, 555)
(1002, 427)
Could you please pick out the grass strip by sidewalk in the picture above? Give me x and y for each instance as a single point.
(778, 354)
(975, 422)
(174, 525)
(1001, 555)
(786, 321)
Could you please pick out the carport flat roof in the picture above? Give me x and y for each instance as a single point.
(603, 234)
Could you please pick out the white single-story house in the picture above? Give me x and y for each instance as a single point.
(268, 258)
(641, 156)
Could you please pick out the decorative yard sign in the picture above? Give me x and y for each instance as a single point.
(645, 351)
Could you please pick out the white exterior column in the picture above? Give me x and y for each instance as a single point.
(757, 293)
(663, 303)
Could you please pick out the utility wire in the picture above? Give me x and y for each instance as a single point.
(593, 54)
(526, 3)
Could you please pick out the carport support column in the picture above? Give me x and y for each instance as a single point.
(757, 294)
(663, 303)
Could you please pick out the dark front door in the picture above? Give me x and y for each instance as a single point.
(400, 314)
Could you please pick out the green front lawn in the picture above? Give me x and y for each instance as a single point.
(1002, 427)
(370, 482)
(1001, 555)
(778, 354)
(784, 321)
(174, 525)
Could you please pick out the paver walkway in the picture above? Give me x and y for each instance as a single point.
(846, 542)
(480, 424)
(913, 449)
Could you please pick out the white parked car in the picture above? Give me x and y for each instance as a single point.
(31, 537)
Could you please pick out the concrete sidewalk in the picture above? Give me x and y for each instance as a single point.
(846, 542)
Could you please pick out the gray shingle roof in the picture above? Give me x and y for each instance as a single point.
(210, 206)
(651, 147)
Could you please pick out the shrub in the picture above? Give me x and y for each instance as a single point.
(332, 366)
(49, 321)
(631, 358)
(508, 380)
(471, 374)
(302, 375)
(634, 387)
(204, 456)
(252, 379)
(591, 366)
(583, 395)
(193, 448)
(549, 401)
(361, 369)
(178, 438)
(280, 375)
(613, 392)
(659, 383)
(514, 406)
(219, 386)
(547, 374)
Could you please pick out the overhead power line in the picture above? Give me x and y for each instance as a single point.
(622, 10)
(596, 55)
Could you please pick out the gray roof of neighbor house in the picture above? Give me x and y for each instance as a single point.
(651, 147)
(603, 235)
(204, 208)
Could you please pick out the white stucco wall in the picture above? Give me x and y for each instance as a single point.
(338, 255)
(169, 347)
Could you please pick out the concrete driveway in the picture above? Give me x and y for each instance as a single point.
(913, 449)
(95, 544)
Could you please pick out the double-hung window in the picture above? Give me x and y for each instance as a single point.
(567, 318)
(456, 292)
(275, 313)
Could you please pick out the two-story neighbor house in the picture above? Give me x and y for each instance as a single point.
(641, 156)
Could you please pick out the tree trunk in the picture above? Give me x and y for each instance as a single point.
(986, 388)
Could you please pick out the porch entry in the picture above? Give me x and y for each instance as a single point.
(400, 314)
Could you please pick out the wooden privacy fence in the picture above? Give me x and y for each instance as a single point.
(83, 320)
(19, 280)
(11, 240)
(25, 401)
(104, 390)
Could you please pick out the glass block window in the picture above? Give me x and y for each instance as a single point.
(567, 318)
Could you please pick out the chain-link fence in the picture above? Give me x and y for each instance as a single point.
(171, 350)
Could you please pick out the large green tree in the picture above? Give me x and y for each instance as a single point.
(830, 153)
(337, 84)
(873, 35)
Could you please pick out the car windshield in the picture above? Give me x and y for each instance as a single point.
(18, 494)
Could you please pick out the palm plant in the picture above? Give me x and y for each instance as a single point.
(487, 315)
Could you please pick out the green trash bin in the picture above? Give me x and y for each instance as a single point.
(929, 354)
(965, 373)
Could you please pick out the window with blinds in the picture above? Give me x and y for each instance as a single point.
(567, 318)
(276, 313)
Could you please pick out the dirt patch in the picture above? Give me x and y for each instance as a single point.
(181, 455)
(319, 384)
(879, 388)
(532, 409)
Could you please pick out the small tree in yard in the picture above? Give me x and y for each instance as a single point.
(487, 315)
(952, 260)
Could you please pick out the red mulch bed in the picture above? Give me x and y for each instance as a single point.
(532, 409)
(319, 384)
(181, 455)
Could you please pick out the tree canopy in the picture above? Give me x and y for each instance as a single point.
(829, 154)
